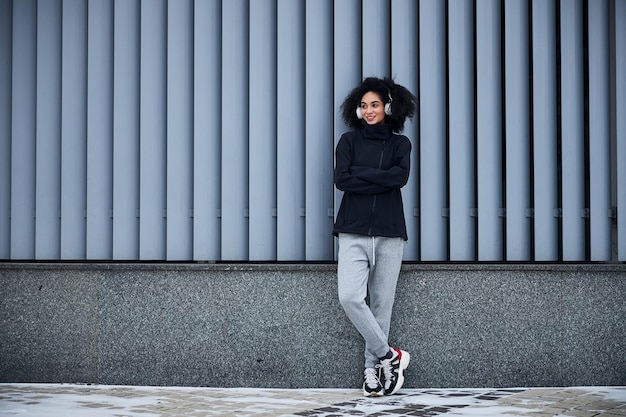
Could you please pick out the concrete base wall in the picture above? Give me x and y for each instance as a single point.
(277, 325)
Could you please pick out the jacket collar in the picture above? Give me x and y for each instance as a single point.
(377, 132)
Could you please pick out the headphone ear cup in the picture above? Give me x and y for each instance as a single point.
(359, 114)
(388, 109)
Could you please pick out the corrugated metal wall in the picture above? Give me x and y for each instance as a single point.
(205, 130)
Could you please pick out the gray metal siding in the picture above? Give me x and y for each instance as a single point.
(204, 130)
(619, 134)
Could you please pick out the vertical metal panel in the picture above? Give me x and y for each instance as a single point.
(23, 130)
(346, 56)
(620, 131)
(126, 129)
(346, 62)
(517, 105)
(99, 242)
(207, 129)
(572, 128)
(6, 91)
(134, 107)
(74, 129)
(153, 128)
(290, 130)
(489, 129)
(599, 131)
(404, 66)
(461, 129)
(375, 38)
(179, 130)
(544, 133)
(48, 144)
(433, 225)
(235, 155)
(319, 111)
(262, 110)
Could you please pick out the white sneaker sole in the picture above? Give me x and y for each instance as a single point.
(405, 359)
(373, 394)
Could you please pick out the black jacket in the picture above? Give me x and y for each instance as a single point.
(372, 164)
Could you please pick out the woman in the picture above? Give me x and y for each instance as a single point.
(372, 164)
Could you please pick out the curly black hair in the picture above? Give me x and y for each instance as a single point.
(403, 102)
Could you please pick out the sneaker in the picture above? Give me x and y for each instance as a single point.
(393, 366)
(372, 386)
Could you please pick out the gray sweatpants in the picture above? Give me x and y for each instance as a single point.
(369, 263)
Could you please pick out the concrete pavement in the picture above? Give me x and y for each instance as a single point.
(67, 400)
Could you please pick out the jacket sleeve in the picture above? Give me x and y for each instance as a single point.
(345, 180)
(394, 177)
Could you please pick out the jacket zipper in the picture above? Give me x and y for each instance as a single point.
(380, 163)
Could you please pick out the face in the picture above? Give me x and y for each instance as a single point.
(372, 108)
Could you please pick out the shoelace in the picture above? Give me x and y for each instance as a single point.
(371, 379)
(386, 367)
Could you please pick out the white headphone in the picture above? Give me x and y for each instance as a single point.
(359, 113)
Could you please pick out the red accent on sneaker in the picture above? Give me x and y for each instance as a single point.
(399, 352)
